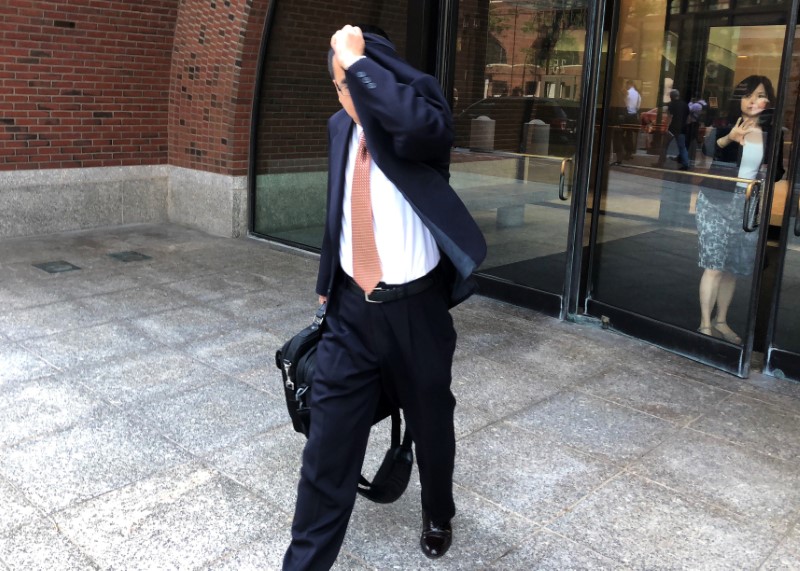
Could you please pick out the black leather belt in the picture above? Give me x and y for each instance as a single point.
(383, 293)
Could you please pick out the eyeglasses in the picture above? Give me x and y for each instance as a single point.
(342, 88)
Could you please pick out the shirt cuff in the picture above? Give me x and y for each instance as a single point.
(350, 61)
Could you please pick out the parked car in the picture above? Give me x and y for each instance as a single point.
(511, 114)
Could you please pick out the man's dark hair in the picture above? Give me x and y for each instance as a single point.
(370, 29)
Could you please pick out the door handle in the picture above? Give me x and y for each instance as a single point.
(562, 193)
(752, 201)
(797, 219)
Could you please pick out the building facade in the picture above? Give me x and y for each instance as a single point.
(212, 114)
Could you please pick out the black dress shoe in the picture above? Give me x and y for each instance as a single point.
(435, 539)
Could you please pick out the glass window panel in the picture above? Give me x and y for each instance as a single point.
(787, 325)
(515, 101)
(297, 97)
(653, 198)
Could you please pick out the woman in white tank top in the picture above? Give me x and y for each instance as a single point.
(725, 249)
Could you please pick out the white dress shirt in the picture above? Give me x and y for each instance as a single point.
(633, 100)
(406, 247)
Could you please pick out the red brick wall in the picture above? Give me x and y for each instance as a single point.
(84, 83)
(213, 78)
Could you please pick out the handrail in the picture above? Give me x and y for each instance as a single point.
(696, 174)
(562, 177)
(510, 155)
(750, 214)
(797, 219)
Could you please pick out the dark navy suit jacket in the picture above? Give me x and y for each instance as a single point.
(408, 126)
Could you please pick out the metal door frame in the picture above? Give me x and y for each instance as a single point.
(777, 359)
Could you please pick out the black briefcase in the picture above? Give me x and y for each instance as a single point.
(296, 361)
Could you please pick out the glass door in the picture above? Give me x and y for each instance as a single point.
(691, 146)
(783, 332)
(517, 89)
(783, 354)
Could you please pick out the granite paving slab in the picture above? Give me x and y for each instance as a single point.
(137, 302)
(387, 536)
(152, 375)
(271, 309)
(755, 424)
(221, 254)
(41, 406)
(657, 393)
(141, 409)
(92, 344)
(220, 286)
(96, 282)
(479, 334)
(41, 545)
(779, 393)
(546, 551)
(170, 268)
(269, 259)
(19, 364)
(267, 554)
(183, 518)
(17, 510)
(739, 479)
(43, 320)
(565, 357)
(246, 353)
(179, 326)
(499, 389)
(595, 426)
(469, 419)
(210, 417)
(268, 464)
(99, 454)
(786, 556)
(648, 526)
(24, 293)
(533, 477)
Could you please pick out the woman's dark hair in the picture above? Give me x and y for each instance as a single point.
(745, 87)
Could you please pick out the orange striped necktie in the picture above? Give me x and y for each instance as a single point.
(366, 262)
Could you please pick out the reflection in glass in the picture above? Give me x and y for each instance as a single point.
(647, 257)
(515, 110)
(787, 330)
(297, 97)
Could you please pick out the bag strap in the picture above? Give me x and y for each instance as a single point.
(403, 447)
(396, 423)
(319, 317)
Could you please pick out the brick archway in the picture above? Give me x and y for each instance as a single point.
(214, 62)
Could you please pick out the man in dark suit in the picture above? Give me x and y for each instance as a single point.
(389, 289)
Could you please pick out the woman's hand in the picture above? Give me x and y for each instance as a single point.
(738, 133)
(741, 129)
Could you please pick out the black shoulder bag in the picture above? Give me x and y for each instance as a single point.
(296, 361)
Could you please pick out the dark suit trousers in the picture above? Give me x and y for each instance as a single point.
(405, 346)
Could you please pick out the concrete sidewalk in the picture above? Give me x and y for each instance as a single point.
(142, 426)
